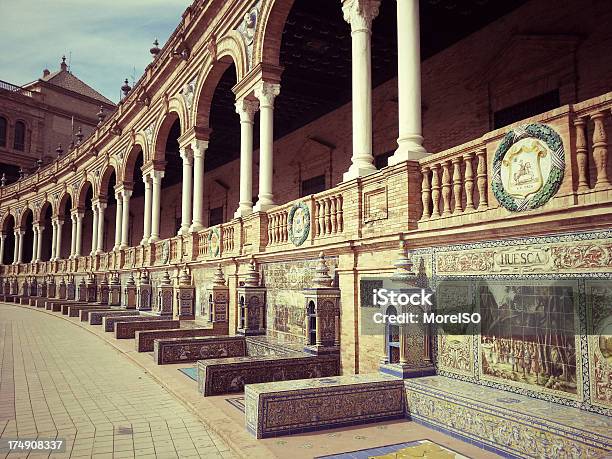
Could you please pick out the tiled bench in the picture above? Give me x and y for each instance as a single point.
(95, 317)
(127, 330)
(108, 322)
(145, 338)
(288, 407)
(25, 300)
(180, 350)
(8, 298)
(40, 302)
(65, 307)
(54, 305)
(508, 424)
(225, 376)
(32, 300)
(84, 313)
(74, 310)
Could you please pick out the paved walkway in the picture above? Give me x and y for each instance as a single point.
(60, 381)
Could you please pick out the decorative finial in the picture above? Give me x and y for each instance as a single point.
(3, 180)
(115, 279)
(403, 265)
(166, 279)
(219, 279)
(322, 279)
(185, 277)
(144, 276)
(59, 150)
(126, 88)
(101, 116)
(39, 163)
(253, 276)
(21, 173)
(79, 136)
(155, 50)
(131, 282)
(63, 65)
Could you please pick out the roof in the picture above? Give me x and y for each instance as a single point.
(66, 80)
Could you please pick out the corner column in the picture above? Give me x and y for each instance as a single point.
(35, 242)
(53, 239)
(266, 92)
(360, 14)
(58, 244)
(246, 109)
(94, 228)
(156, 179)
(17, 252)
(2, 239)
(410, 139)
(146, 232)
(125, 218)
(73, 221)
(198, 148)
(118, 218)
(186, 198)
(101, 208)
(79, 233)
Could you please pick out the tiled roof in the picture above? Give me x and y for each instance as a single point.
(65, 79)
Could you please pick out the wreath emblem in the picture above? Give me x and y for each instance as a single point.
(299, 223)
(528, 167)
(214, 242)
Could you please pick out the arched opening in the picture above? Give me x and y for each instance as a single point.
(27, 226)
(242, 313)
(392, 337)
(133, 173)
(8, 229)
(107, 190)
(311, 318)
(171, 195)
(46, 234)
(19, 137)
(85, 205)
(66, 226)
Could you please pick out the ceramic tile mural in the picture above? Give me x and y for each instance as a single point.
(285, 309)
(599, 328)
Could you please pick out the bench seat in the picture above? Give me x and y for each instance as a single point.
(145, 338)
(95, 317)
(180, 350)
(289, 407)
(127, 330)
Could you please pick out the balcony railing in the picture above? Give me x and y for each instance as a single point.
(5, 86)
(444, 190)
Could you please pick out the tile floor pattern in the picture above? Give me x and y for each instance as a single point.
(60, 381)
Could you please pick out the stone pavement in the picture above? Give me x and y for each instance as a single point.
(60, 381)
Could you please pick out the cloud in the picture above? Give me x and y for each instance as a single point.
(105, 40)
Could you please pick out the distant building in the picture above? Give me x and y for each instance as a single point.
(38, 117)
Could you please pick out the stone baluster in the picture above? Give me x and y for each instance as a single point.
(582, 159)
(457, 184)
(446, 188)
(469, 182)
(340, 214)
(318, 218)
(435, 191)
(329, 215)
(481, 177)
(600, 150)
(334, 216)
(425, 193)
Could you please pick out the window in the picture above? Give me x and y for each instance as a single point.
(19, 141)
(525, 109)
(381, 160)
(312, 185)
(2, 132)
(393, 338)
(242, 309)
(215, 216)
(311, 317)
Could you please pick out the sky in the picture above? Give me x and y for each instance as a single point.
(103, 39)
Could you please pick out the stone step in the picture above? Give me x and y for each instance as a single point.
(127, 330)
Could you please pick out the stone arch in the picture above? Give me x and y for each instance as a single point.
(161, 136)
(177, 105)
(6, 220)
(23, 216)
(230, 50)
(63, 200)
(269, 32)
(82, 193)
(42, 211)
(127, 169)
(105, 177)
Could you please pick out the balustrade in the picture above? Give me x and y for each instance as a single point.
(278, 232)
(328, 215)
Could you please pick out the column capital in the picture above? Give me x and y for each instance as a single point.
(198, 147)
(247, 108)
(360, 13)
(156, 175)
(126, 193)
(100, 203)
(266, 93)
(186, 155)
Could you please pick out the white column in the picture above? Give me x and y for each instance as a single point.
(16, 247)
(125, 224)
(2, 238)
(79, 234)
(20, 251)
(187, 190)
(36, 229)
(360, 14)
(146, 232)
(266, 92)
(410, 140)
(198, 148)
(54, 239)
(118, 220)
(38, 252)
(101, 207)
(94, 228)
(58, 243)
(156, 179)
(73, 234)
(246, 109)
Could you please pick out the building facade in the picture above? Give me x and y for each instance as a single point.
(486, 164)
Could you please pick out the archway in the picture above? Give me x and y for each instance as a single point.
(86, 206)
(46, 233)
(65, 223)
(27, 239)
(133, 176)
(8, 229)
(107, 192)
